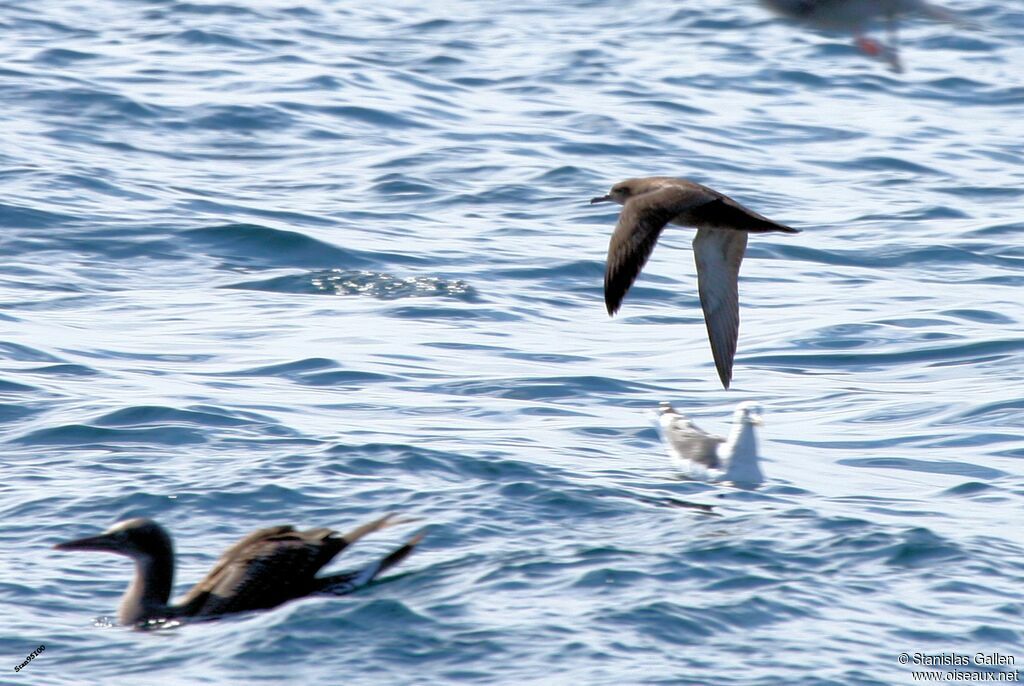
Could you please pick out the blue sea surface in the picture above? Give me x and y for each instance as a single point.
(313, 262)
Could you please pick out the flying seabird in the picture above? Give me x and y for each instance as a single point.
(722, 226)
(856, 15)
(704, 455)
(262, 570)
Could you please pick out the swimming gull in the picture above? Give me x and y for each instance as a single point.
(722, 224)
(703, 455)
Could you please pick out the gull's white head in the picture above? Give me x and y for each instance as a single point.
(748, 412)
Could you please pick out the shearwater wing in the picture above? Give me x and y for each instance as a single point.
(718, 254)
(640, 224)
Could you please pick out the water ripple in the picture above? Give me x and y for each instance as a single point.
(181, 177)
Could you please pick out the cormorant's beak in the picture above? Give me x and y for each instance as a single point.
(603, 198)
(103, 542)
(757, 420)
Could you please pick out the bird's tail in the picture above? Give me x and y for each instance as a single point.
(348, 582)
(384, 522)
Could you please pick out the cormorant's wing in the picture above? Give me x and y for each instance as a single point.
(269, 567)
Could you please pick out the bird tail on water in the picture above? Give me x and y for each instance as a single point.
(348, 582)
(376, 525)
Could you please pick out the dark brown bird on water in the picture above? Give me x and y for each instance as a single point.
(266, 568)
(722, 224)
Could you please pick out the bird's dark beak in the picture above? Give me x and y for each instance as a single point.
(101, 542)
(603, 198)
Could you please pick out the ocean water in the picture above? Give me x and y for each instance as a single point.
(312, 262)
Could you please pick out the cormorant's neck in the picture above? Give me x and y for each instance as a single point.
(150, 590)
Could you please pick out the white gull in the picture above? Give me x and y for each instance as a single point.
(714, 458)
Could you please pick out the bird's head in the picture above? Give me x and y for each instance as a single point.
(620, 192)
(136, 538)
(748, 412)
